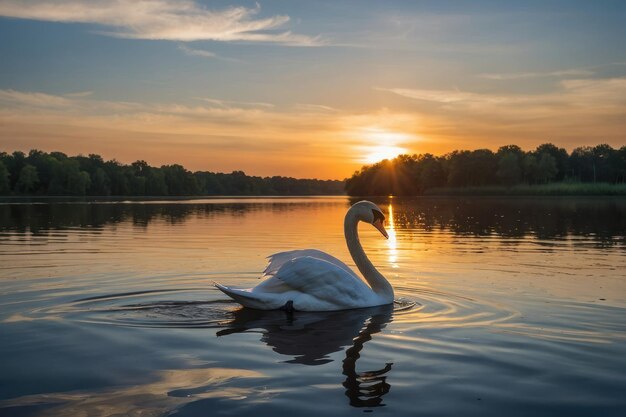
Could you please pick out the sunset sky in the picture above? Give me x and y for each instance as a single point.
(308, 88)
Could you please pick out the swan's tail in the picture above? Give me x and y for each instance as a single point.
(245, 297)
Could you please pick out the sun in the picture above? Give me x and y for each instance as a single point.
(378, 153)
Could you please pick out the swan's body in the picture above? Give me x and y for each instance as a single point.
(312, 280)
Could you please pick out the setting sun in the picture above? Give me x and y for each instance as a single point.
(379, 153)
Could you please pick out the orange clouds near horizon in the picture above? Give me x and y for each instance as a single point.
(310, 140)
(287, 88)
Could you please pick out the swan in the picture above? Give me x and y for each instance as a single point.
(312, 280)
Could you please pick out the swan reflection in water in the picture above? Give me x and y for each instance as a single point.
(309, 338)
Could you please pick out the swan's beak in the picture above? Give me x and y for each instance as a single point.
(379, 225)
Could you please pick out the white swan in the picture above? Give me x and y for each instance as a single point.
(311, 280)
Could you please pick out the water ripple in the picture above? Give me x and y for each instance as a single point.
(201, 308)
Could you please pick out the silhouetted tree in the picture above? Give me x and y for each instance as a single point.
(155, 182)
(5, 185)
(546, 168)
(530, 169)
(179, 181)
(510, 165)
(14, 163)
(432, 173)
(582, 163)
(28, 179)
(68, 179)
(100, 183)
(561, 159)
(606, 163)
(509, 171)
(514, 149)
(472, 168)
(55, 173)
(620, 163)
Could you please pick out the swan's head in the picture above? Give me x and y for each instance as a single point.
(368, 212)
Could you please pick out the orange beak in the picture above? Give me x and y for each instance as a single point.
(379, 225)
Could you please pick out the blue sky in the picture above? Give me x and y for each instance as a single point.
(308, 88)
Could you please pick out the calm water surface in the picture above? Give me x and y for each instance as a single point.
(504, 307)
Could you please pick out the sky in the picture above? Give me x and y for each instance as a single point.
(308, 88)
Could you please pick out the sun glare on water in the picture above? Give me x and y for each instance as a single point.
(391, 242)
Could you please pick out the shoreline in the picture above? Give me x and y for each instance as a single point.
(165, 199)
(543, 190)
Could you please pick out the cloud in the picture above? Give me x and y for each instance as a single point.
(588, 93)
(578, 112)
(315, 107)
(183, 20)
(305, 140)
(79, 94)
(218, 124)
(439, 96)
(197, 52)
(37, 104)
(205, 54)
(205, 134)
(33, 99)
(525, 75)
(233, 103)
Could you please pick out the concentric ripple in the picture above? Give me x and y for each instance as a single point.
(190, 308)
(201, 308)
(444, 309)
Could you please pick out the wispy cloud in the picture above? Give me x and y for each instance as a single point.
(525, 75)
(315, 107)
(217, 134)
(72, 104)
(227, 134)
(202, 53)
(214, 134)
(590, 93)
(33, 99)
(440, 96)
(183, 20)
(576, 111)
(79, 94)
(197, 52)
(234, 103)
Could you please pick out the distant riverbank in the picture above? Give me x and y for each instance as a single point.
(551, 189)
(25, 199)
(56, 174)
(545, 190)
(547, 170)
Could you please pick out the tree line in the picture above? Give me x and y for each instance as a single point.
(55, 173)
(509, 166)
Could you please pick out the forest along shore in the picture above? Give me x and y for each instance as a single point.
(547, 170)
(56, 174)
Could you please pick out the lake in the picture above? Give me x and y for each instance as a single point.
(510, 306)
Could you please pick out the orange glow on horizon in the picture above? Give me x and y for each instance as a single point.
(382, 142)
(383, 152)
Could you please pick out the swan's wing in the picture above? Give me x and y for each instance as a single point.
(324, 281)
(277, 260)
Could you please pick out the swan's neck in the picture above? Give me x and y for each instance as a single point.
(375, 279)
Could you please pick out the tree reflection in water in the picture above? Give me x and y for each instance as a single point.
(309, 338)
(601, 219)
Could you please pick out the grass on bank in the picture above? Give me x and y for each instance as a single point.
(551, 189)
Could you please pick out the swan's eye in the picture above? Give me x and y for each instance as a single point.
(378, 216)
